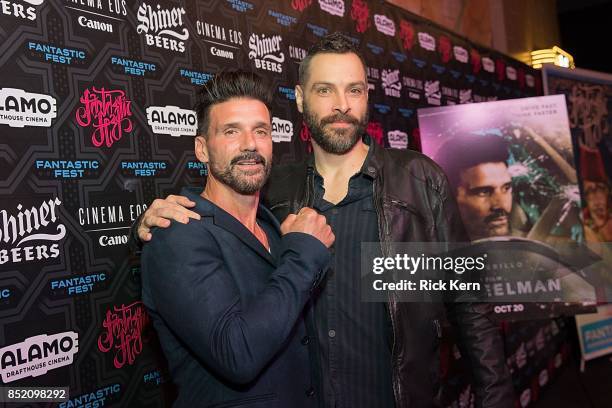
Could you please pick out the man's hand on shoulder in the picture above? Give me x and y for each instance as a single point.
(308, 221)
(161, 212)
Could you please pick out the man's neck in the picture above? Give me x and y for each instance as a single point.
(337, 170)
(341, 166)
(242, 207)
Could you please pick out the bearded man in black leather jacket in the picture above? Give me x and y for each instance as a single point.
(369, 355)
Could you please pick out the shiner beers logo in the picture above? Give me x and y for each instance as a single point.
(36, 355)
(19, 108)
(162, 28)
(37, 224)
(266, 52)
(172, 120)
(391, 82)
(19, 10)
(108, 112)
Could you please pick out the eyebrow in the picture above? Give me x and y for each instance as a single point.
(361, 83)
(476, 190)
(238, 124)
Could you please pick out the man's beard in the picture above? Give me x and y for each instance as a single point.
(335, 141)
(239, 180)
(501, 230)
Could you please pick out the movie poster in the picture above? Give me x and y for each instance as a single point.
(510, 165)
(589, 101)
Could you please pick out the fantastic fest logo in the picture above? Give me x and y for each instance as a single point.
(444, 48)
(475, 60)
(407, 34)
(123, 327)
(108, 112)
(37, 355)
(36, 223)
(360, 13)
(375, 130)
(172, 120)
(19, 108)
(162, 28)
(300, 5)
(305, 136)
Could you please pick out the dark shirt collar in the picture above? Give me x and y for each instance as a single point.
(208, 209)
(366, 168)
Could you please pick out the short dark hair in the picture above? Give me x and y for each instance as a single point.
(462, 152)
(335, 43)
(225, 86)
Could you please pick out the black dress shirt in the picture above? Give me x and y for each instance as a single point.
(354, 336)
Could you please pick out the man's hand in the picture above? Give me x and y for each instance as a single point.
(309, 222)
(161, 212)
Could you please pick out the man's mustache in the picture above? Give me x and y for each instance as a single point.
(339, 117)
(254, 156)
(497, 213)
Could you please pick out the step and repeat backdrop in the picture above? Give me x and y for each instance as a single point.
(96, 121)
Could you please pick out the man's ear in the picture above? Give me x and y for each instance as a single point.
(299, 98)
(201, 149)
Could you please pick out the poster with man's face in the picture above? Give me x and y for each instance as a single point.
(510, 166)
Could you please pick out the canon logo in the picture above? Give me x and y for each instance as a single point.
(221, 53)
(105, 240)
(94, 24)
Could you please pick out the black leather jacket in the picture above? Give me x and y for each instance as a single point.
(414, 203)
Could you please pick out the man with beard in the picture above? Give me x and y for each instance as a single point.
(480, 181)
(226, 293)
(370, 354)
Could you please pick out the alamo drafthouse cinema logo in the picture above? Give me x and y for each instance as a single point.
(30, 233)
(172, 120)
(19, 108)
(37, 355)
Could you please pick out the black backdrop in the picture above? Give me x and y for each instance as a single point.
(95, 123)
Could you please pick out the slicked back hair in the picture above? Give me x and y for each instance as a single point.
(225, 86)
(335, 43)
(460, 153)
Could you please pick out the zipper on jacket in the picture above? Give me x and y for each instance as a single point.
(309, 196)
(380, 215)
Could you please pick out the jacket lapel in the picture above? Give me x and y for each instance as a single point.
(224, 220)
